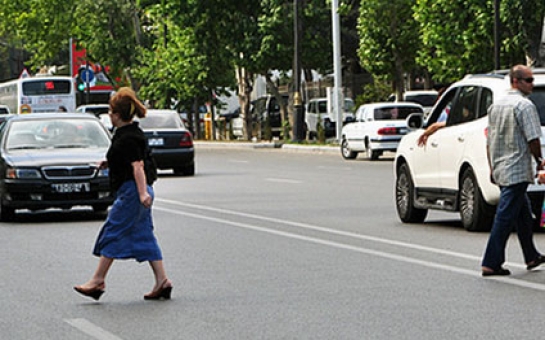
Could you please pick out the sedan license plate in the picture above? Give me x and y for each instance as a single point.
(71, 187)
(155, 142)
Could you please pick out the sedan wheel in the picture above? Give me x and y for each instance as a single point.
(346, 152)
(371, 154)
(404, 191)
(476, 214)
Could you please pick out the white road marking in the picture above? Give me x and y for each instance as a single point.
(401, 258)
(91, 329)
(283, 180)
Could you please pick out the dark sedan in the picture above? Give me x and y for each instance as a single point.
(51, 160)
(170, 142)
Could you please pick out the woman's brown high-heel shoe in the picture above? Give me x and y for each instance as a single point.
(94, 292)
(162, 293)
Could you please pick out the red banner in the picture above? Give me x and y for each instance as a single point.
(96, 73)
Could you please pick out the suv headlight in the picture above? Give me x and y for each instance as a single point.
(22, 173)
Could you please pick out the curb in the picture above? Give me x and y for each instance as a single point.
(269, 145)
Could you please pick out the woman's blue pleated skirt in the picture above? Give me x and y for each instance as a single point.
(128, 230)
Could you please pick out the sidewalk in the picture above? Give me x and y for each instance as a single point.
(268, 145)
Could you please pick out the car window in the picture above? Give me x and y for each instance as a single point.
(393, 113)
(422, 99)
(322, 106)
(463, 108)
(485, 102)
(442, 109)
(66, 133)
(161, 121)
(538, 98)
(3, 110)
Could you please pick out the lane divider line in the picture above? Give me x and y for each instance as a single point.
(400, 258)
(91, 329)
(337, 232)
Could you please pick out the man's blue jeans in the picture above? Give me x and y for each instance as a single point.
(514, 209)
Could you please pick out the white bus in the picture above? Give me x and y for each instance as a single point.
(39, 94)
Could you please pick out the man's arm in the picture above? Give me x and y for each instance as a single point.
(535, 149)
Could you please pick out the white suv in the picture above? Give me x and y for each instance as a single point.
(451, 171)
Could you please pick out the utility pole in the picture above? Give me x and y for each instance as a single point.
(298, 115)
(497, 34)
(338, 103)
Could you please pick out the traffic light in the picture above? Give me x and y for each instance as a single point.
(80, 85)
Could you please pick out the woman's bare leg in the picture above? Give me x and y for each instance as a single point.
(104, 264)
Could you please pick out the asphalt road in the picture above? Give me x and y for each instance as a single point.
(270, 244)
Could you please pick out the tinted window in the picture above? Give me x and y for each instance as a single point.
(464, 107)
(485, 102)
(387, 113)
(422, 99)
(45, 87)
(538, 97)
(161, 121)
(322, 106)
(3, 110)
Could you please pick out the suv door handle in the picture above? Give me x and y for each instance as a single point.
(434, 144)
(461, 139)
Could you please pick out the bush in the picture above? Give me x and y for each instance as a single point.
(377, 91)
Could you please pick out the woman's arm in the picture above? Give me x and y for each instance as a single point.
(140, 179)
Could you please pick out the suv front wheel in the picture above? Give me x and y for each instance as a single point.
(404, 191)
(476, 214)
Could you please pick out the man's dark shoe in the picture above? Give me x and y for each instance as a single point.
(496, 272)
(539, 260)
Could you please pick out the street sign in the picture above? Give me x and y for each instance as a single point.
(87, 75)
(24, 74)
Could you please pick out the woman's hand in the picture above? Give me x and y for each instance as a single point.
(146, 200)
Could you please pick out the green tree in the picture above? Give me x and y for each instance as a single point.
(389, 39)
(458, 35)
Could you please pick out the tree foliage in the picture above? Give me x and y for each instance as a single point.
(389, 38)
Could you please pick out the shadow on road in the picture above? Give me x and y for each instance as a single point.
(56, 215)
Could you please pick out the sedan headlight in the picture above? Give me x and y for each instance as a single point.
(103, 172)
(22, 173)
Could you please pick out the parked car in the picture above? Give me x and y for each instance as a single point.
(426, 98)
(51, 161)
(170, 142)
(319, 110)
(96, 109)
(378, 127)
(451, 171)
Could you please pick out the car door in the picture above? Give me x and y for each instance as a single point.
(463, 131)
(354, 131)
(425, 162)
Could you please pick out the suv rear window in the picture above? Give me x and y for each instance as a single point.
(538, 97)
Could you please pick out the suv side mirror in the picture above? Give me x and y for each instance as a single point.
(415, 121)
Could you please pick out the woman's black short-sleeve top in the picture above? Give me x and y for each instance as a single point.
(128, 145)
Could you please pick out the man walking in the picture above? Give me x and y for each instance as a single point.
(513, 138)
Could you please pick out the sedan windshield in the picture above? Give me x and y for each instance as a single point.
(65, 133)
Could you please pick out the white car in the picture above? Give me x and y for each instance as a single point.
(426, 98)
(318, 111)
(451, 171)
(378, 127)
(96, 109)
